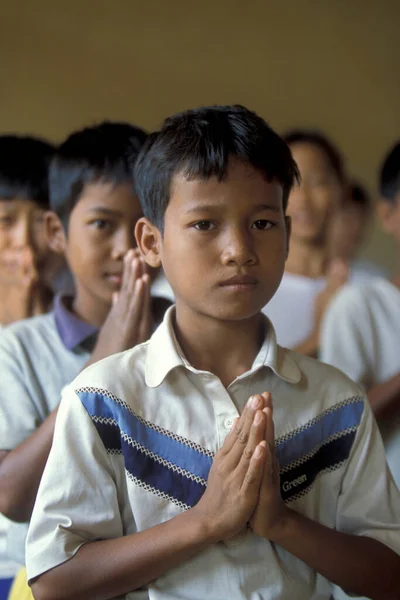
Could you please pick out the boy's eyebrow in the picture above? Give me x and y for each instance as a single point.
(212, 207)
(104, 210)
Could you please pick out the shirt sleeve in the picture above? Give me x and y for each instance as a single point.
(345, 340)
(19, 414)
(369, 501)
(77, 497)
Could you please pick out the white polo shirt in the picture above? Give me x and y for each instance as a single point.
(134, 441)
(361, 336)
(292, 308)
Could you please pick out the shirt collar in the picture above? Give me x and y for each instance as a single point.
(164, 354)
(72, 330)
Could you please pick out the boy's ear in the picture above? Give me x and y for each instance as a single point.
(148, 238)
(384, 210)
(288, 225)
(54, 231)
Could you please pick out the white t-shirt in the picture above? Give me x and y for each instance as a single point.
(361, 336)
(292, 309)
(134, 441)
(8, 568)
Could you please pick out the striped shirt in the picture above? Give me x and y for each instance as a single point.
(135, 439)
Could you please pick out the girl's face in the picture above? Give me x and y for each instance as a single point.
(314, 201)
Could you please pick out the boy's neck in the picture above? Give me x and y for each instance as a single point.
(93, 312)
(225, 348)
(308, 260)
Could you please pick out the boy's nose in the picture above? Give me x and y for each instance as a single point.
(122, 243)
(238, 249)
(22, 235)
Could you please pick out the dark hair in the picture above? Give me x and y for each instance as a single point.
(24, 164)
(316, 138)
(199, 143)
(358, 196)
(103, 152)
(389, 177)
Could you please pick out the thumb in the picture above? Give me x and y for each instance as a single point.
(114, 298)
(338, 273)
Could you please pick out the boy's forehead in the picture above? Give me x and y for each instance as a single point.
(240, 181)
(18, 203)
(108, 193)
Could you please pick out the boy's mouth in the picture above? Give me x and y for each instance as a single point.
(115, 278)
(240, 281)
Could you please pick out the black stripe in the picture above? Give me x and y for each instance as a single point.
(110, 435)
(299, 478)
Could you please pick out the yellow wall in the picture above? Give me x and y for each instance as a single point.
(333, 64)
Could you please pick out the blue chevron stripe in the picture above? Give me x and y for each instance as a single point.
(175, 452)
(306, 439)
(328, 457)
(161, 477)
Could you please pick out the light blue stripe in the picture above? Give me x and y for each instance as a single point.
(308, 439)
(176, 452)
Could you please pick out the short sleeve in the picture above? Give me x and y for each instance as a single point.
(369, 502)
(345, 335)
(19, 415)
(77, 498)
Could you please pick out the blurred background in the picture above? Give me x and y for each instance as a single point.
(328, 64)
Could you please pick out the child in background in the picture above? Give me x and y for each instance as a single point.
(26, 262)
(25, 259)
(163, 481)
(349, 227)
(310, 279)
(95, 210)
(361, 330)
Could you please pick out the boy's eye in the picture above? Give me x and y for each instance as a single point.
(204, 225)
(320, 181)
(101, 224)
(5, 220)
(38, 221)
(262, 224)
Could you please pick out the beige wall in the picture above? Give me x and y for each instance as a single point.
(333, 64)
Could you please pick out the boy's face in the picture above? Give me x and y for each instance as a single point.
(313, 202)
(23, 242)
(224, 245)
(389, 215)
(347, 231)
(100, 232)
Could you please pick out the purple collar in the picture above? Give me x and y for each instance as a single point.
(72, 330)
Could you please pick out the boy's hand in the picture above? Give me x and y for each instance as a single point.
(130, 320)
(270, 510)
(235, 476)
(337, 275)
(23, 294)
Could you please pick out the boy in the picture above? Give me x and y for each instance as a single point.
(95, 212)
(25, 259)
(145, 495)
(361, 330)
(349, 227)
(310, 279)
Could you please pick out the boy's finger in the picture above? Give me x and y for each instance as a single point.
(255, 472)
(267, 396)
(256, 436)
(114, 298)
(126, 271)
(135, 307)
(242, 424)
(252, 431)
(268, 477)
(269, 428)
